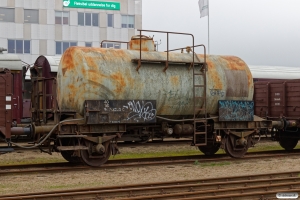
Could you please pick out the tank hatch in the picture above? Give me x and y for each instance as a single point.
(147, 43)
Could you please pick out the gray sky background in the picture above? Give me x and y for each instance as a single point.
(261, 32)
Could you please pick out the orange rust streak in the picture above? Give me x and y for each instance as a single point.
(174, 80)
(95, 76)
(90, 61)
(214, 75)
(135, 45)
(130, 80)
(234, 63)
(67, 60)
(72, 93)
(119, 82)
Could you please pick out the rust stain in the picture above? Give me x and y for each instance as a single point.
(90, 61)
(129, 78)
(119, 81)
(163, 109)
(95, 76)
(250, 79)
(71, 95)
(67, 60)
(174, 80)
(234, 63)
(214, 75)
(135, 45)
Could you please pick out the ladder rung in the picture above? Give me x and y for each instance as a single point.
(200, 144)
(199, 109)
(200, 120)
(198, 85)
(199, 133)
(198, 73)
(198, 97)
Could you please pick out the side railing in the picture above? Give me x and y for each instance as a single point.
(113, 41)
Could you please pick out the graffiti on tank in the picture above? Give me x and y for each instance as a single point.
(139, 110)
(216, 92)
(120, 111)
(236, 110)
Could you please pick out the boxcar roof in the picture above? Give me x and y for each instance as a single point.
(274, 72)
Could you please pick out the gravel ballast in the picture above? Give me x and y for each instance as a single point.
(24, 183)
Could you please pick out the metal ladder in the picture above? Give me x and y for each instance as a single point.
(200, 124)
(39, 109)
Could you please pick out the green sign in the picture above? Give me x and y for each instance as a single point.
(91, 4)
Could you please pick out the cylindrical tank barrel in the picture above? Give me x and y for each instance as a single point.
(110, 74)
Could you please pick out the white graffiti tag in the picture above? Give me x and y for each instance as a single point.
(143, 111)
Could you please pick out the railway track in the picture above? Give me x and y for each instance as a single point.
(259, 186)
(138, 144)
(139, 162)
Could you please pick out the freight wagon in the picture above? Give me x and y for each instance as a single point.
(99, 95)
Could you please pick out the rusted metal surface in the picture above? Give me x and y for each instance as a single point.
(43, 100)
(26, 108)
(42, 68)
(14, 64)
(21, 131)
(17, 104)
(142, 42)
(120, 111)
(274, 99)
(108, 74)
(5, 103)
(236, 110)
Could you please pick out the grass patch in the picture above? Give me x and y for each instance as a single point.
(268, 147)
(74, 185)
(32, 160)
(215, 164)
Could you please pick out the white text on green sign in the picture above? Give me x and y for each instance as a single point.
(92, 4)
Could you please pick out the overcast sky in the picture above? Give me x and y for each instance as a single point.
(261, 32)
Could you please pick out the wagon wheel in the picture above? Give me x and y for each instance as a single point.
(68, 155)
(288, 143)
(93, 158)
(233, 150)
(209, 149)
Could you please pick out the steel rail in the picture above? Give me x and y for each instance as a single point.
(227, 193)
(19, 169)
(214, 188)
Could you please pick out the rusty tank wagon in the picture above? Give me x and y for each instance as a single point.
(100, 95)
